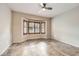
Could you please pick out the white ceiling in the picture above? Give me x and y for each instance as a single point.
(35, 9)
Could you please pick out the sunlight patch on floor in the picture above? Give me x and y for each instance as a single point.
(39, 49)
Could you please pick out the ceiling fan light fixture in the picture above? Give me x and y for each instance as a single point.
(43, 9)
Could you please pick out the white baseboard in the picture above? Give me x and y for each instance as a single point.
(4, 50)
(68, 43)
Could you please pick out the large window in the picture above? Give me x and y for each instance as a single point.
(25, 27)
(37, 27)
(33, 27)
(42, 27)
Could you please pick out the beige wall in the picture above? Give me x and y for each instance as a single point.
(17, 27)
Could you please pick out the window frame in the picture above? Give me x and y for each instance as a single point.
(28, 27)
(34, 21)
(35, 28)
(41, 28)
(24, 26)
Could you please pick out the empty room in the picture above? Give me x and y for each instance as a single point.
(39, 29)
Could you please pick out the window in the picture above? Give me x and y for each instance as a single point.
(37, 27)
(25, 27)
(33, 27)
(42, 27)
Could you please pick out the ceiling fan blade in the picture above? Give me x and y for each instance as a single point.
(43, 5)
(49, 8)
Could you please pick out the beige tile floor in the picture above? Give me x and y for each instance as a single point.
(42, 47)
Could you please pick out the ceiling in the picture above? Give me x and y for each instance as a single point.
(35, 8)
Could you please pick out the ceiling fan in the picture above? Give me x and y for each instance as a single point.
(44, 7)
